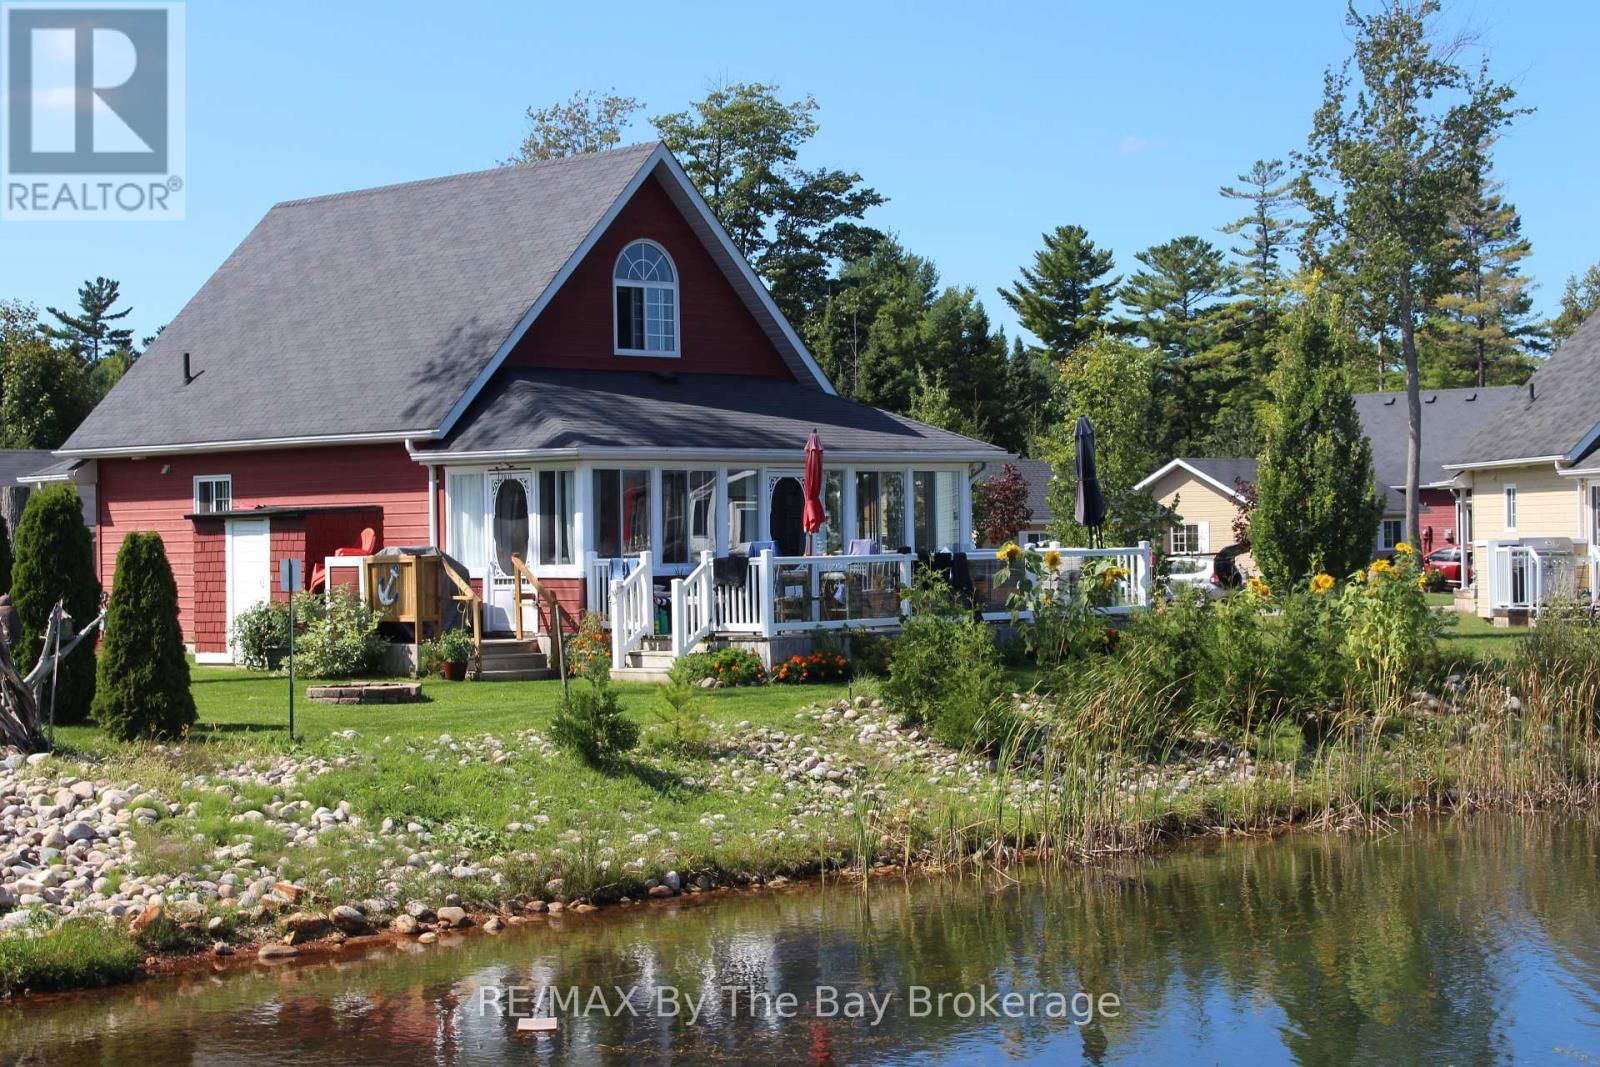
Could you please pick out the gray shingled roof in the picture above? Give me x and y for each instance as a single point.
(1559, 413)
(18, 463)
(524, 411)
(367, 312)
(1449, 418)
(1038, 474)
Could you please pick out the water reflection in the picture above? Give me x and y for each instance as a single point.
(1467, 943)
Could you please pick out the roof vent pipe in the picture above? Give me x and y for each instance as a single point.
(1530, 389)
(188, 376)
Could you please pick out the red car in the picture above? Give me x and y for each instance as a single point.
(1448, 561)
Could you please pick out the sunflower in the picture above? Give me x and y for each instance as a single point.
(1258, 587)
(1380, 566)
(1422, 582)
(1052, 560)
(1321, 583)
(1404, 548)
(1010, 552)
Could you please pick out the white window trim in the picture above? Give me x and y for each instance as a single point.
(677, 316)
(194, 496)
(1508, 500)
(1387, 544)
(1202, 538)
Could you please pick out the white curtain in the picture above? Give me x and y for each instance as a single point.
(464, 501)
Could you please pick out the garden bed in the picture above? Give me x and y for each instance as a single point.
(367, 693)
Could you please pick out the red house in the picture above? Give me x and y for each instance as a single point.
(568, 362)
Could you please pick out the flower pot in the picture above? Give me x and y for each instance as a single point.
(454, 672)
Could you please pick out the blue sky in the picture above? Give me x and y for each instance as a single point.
(985, 125)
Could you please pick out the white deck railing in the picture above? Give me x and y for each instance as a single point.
(1129, 592)
(632, 609)
(773, 595)
(1516, 578)
(693, 607)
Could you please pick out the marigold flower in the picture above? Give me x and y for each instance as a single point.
(1010, 552)
(1321, 583)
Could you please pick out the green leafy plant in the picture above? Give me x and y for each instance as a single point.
(143, 685)
(727, 666)
(1054, 621)
(946, 671)
(338, 635)
(590, 723)
(260, 636)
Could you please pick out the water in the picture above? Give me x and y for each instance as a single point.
(1474, 942)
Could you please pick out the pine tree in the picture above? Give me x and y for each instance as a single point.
(90, 332)
(1065, 298)
(1267, 230)
(1316, 508)
(55, 562)
(1483, 329)
(1179, 305)
(142, 689)
(1579, 300)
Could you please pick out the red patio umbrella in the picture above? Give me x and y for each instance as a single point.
(812, 518)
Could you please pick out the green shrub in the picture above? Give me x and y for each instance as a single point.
(143, 685)
(728, 666)
(55, 561)
(338, 636)
(590, 723)
(260, 636)
(591, 642)
(1391, 630)
(946, 671)
(681, 708)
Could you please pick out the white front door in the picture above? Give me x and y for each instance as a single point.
(249, 565)
(510, 532)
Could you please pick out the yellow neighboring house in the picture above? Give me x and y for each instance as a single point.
(1205, 495)
(1528, 482)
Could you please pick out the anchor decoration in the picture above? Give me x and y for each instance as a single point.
(389, 586)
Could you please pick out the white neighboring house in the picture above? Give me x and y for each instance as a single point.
(1529, 487)
(1204, 493)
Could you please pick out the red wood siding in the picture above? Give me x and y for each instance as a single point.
(1439, 515)
(717, 333)
(570, 594)
(137, 495)
(209, 632)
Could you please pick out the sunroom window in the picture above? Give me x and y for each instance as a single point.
(622, 512)
(646, 301)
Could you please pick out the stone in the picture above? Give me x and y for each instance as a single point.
(276, 951)
(427, 938)
(674, 881)
(494, 924)
(453, 916)
(350, 920)
(583, 909)
(222, 948)
(404, 924)
(556, 907)
(288, 891)
(419, 911)
(662, 891)
(536, 907)
(305, 926)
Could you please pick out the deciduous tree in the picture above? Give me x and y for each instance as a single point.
(585, 122)
(1579, 300)
(1000, 506)
(1391, 159)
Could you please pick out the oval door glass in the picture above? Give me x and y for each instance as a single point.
(510, 523)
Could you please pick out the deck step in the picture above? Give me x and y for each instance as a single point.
(495, 675)
(506, 659)
(639, 674)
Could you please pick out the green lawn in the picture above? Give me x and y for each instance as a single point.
(236, 704)
(1469, 635)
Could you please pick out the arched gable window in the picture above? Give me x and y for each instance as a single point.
(646, 286)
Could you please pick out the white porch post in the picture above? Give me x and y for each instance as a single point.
(721, 519)
(765, 576)
(847, 523)
(657, 537)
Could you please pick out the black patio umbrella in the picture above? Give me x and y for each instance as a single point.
(1089, 506)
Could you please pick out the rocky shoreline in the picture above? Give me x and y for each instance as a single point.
(70, 838)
